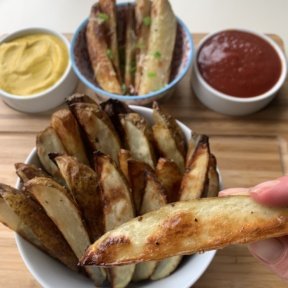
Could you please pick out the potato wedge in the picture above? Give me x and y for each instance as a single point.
(99, 51)
(82, 182)
(143, 22)
(98, 128)
(67, 129)
(130, 50)
(153, 199)
(20, 211)
(79, 98)
(55, 199)
(213, 176)
(188, 227)
(136, 170)
(170, 177)
(108, 7)
(29, 171)
(195, 178)
(118, 208)
(124, 156)
(139, 138)
(157, 63)
(47, 142)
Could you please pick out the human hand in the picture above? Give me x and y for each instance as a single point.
(273, 253)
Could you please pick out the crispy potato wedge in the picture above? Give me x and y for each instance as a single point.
(195, 177)
(130, 51)
(29, 171)
(99, 51)
(192, 144)
(54, 198)
(170, 176)
(79, 98)
(48, 142)
(67, 129)
(82, 181)
(188, 227)
(139, 138)
(169, 138)
(20, 211)
(114, 108)
(213, 176)
(118, 208)
(108, 7)
(124, 156)
(136, 170)
(98, 128)
(143, 21)
(157, 63)
(153, 199)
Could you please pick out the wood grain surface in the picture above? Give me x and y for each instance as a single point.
(249, 150)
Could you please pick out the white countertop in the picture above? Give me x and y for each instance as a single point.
(267, 16)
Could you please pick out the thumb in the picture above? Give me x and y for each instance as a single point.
(273, 253)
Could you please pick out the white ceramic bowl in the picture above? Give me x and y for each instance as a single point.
(51, 97)
(181, 62)
(235, 106)
(50, 273)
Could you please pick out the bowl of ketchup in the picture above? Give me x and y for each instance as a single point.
(238, 72)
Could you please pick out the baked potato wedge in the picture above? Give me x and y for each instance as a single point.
(188, 227)
(213, 177)
(29, 171)
(54, 198)
(118, 208)
(170, 177)
(82, 182)
(48, 142)
(26, 217)
(67, 129)
(100, 54)
(108, 7)
(195, 179)
(79, 98)
(169, 138)
(157, 63)
(138, 138)
(136, 171)
(98, 128)
(130, 50)
(143, 22)
(153, 199)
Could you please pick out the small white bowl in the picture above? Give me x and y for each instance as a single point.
(51, 97)
(50, 273)
(231, 105)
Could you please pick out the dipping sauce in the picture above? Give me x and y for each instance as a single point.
(32, 63)
(239, 64)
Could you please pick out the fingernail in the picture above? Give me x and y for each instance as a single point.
(269, 250)
(263, 186)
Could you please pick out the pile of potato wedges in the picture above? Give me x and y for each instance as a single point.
(131, 54)
(102, 165)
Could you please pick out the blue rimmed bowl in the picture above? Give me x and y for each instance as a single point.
(181, 62)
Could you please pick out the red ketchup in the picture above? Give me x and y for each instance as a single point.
(239, 64)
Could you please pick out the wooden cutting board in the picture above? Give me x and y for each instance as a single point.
(249, 150)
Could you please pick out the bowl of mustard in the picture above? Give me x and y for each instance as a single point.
(35, 70)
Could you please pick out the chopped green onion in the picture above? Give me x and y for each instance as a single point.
(147, 21)
(152, 74)
(102, 16)
(109, 54)
(157, 55)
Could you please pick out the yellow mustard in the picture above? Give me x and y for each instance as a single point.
(32, 63)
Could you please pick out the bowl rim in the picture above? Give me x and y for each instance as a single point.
(206, 257)
(236, 99)
(100, 91)
(38, 30)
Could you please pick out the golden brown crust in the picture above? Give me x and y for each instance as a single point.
(98, 48)
(29, 171)
(124, 156)
(188, 227)
(67, 129)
